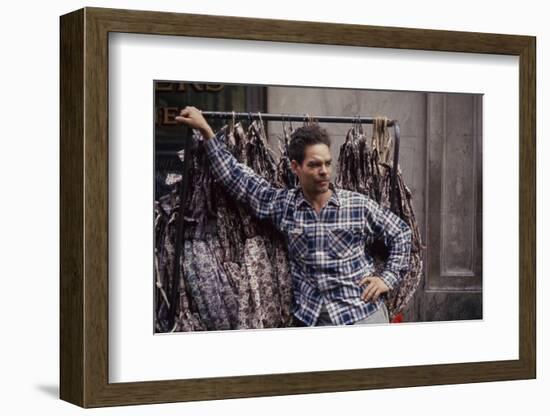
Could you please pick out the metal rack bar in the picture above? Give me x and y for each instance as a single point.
(288, 117)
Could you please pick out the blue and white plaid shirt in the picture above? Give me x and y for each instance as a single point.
(326, 250)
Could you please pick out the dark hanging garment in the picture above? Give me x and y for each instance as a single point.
(235, 272)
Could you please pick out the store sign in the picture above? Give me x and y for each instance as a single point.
(184, 86)
(166, 115)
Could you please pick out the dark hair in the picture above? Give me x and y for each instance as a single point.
(303, 137)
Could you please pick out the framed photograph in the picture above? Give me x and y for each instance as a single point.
(458, 112)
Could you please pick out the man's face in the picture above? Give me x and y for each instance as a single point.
(314, 172)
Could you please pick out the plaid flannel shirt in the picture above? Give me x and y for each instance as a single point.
(326, 250)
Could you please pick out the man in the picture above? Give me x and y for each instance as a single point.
(325, 228)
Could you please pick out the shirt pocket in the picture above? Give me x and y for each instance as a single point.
(344, 242)
(298, 242)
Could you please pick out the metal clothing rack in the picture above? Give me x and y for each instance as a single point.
(263, 117)
(289, 117)
(321, 119)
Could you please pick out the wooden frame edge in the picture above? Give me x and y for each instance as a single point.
(72, 367)
(83, 184)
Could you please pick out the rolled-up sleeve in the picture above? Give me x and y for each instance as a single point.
(263, 199)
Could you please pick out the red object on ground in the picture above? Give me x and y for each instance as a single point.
(397, 319)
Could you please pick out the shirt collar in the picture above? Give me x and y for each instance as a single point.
(301, 200)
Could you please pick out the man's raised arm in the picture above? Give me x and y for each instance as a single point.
(243, 184)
